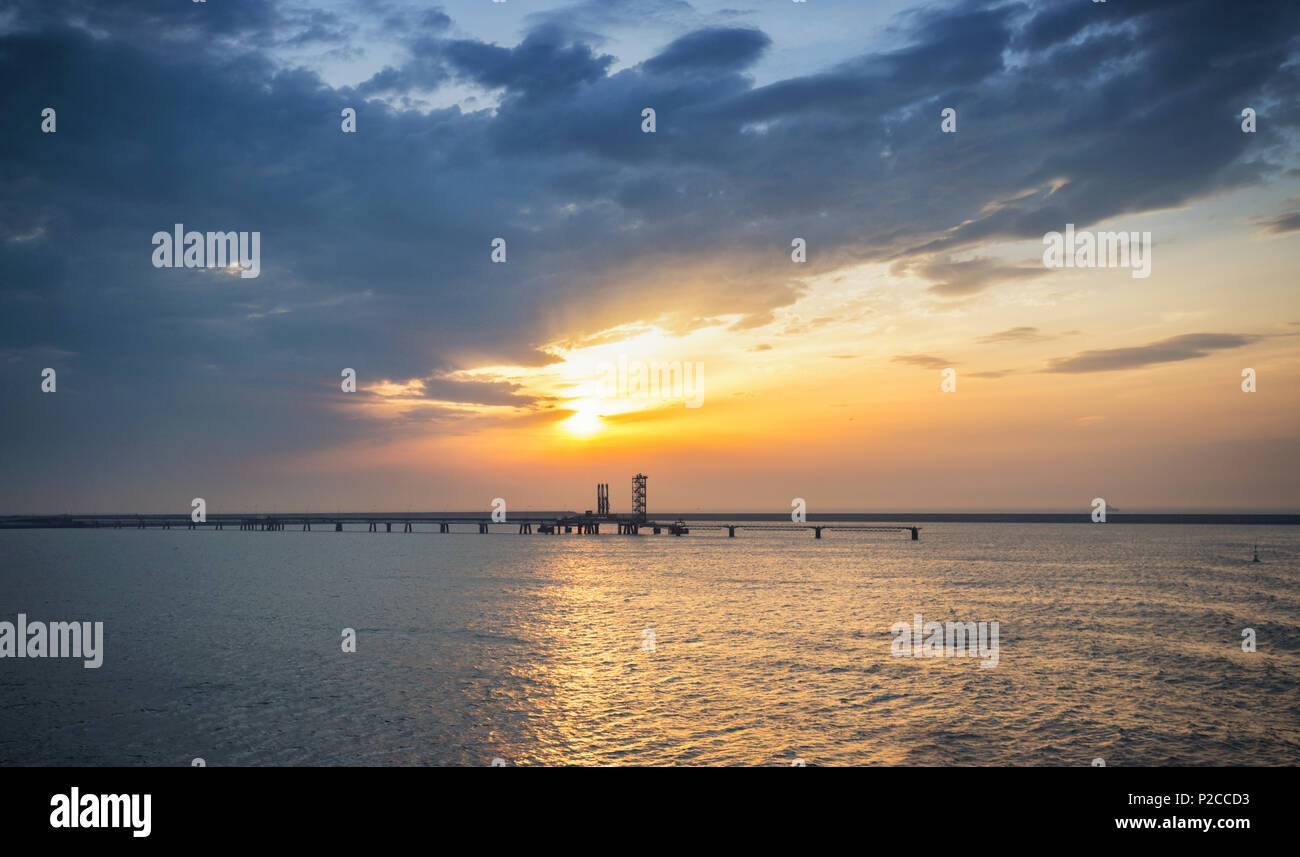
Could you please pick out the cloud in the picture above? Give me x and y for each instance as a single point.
(1013, 334)
(616, 13)
(961, 278)
(473, 391)
(654, 412)
(711, 50)
(433, 19)
(376, 245)
(924, 361)
(545, 65)
(1189, 346)
(1282, 224)
(316, 26)
(424, 71)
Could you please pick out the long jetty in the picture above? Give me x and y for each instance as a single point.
(545, 524)
(541, 523)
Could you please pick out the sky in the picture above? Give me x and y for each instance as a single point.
(822, 379)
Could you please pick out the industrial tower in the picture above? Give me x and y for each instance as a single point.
(638, 496)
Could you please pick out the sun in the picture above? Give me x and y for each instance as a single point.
(585, 420)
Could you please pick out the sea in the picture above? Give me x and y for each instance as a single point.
(1118, 645)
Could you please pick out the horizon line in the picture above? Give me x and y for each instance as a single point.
(1206, 516)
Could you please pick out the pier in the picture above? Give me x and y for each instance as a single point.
(411, 523)
(550, 523)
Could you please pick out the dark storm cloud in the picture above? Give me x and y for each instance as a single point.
(614, 13)
(375, 250)
(1190, 346)
(316, 26)
(414, 25)
(713, 49)
(424, 71)
(163, 25)
(433, 19)
(543, 65)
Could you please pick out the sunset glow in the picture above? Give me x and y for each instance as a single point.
(761, 299)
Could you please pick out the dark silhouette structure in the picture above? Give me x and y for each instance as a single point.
(638, 497)
(549, 523)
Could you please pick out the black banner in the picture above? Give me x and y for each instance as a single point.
(332, 806)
